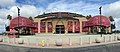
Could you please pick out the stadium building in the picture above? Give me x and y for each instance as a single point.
(61, 23)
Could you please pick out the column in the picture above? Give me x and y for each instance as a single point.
(106, 30)
(39, 26)
(73, 26)
(110, 29)
(80, 26)
(89, 29)
(46, 26)
(99, 30)
(54, 25)
(66, 28)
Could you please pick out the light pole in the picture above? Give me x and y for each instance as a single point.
(100, 21)
(18, 19)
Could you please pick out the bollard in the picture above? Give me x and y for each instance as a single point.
(70, 42)
(9, 40)
(115, 37)
(80, 41)
(90, 40)
(110, 38)
(47, 41)
(20, 41)
(37, 43)
(28, 43)
(14, 41)
(98, 39)
(104, 39)
(118, 37)
(59, 42)
(1, 39)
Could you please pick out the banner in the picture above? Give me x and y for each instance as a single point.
(70, 26)
(77, 26)
(85, 26)
(36, 25)
(49, 26)
(42, 27)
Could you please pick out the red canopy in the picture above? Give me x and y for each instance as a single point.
(23, 22)
(95, 21)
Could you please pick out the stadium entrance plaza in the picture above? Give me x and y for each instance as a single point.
(68, 40)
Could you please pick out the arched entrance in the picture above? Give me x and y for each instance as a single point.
(60, 29)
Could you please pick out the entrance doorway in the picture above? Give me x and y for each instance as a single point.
(60, 29)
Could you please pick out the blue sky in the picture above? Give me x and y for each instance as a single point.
(36, 7)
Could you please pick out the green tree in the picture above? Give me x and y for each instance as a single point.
(111, 18)
(88, 16)
(9, 17)
(30, 18)
(112, 25)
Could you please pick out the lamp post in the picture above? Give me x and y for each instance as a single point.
(100, 21)
(18, 19)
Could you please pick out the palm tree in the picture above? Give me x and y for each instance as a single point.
(9, 17)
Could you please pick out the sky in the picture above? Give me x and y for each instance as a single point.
(36, 7)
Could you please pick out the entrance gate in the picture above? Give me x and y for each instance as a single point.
(60, 29)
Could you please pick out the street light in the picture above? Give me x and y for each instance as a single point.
(100, 21)
(18, 19)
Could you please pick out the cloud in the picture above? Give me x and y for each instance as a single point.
(113, 9)
(26, 11)
(29, 10)
(2, 24)
(6, 3)
(77, 7)
(35, 7)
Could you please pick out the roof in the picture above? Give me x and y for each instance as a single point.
(96, 21)
(59, 14)
(23, 22)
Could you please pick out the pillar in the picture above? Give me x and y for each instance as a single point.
(54, 25)
(99, 30)
(80, 26)
(110, 29)
(46, 26)
(106, 30)
(39, 26)
(66, 28)
(73, 26)
(89, 28)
